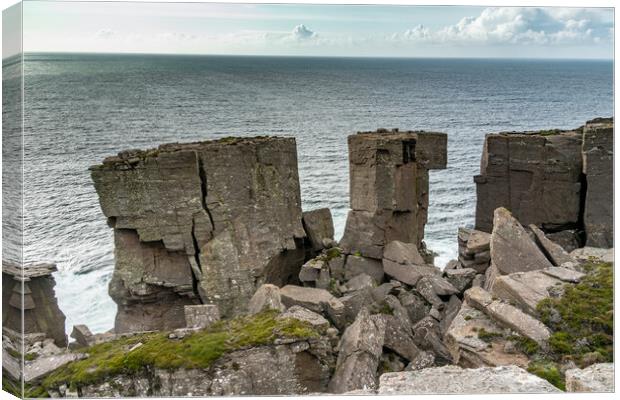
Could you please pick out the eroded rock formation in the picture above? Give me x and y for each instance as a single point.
(204, 222)
(557, 180)
(31, 290)
(389, 188)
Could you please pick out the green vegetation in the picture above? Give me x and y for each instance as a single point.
(487, 336)
(582, 319)
(582, 325)
(525, 345)
(332, 253)
(198, 350)
(549, 371)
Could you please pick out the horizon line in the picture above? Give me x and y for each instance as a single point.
(312, 56)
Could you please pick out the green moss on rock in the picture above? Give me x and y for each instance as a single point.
(197, 350)
(549, 371)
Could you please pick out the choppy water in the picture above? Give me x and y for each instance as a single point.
(82, 108)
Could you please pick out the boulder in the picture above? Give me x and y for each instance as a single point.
(417, 308)
(461, 279)
(359, 282)
(452, 309)
(593, 253)
(82, 335)
(512, 249)
(598, 155)
(564, 274)
(455, 380)
(525, 289)
(478, 242)
(267, 297)
(554, 252)
(398, 333)
(303, 314)
(508, 316)
(201, 316)
(318, 225)
(408, 273)
(42, 366)
(469, 350)
(356, 265)
(360, 350)
(427, 336)
(424, 359)
(597, 378)
(314, 299)
(403, 253)
(568, 239)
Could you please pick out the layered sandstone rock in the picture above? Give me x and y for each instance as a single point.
(389, 188)
(598, 160)
(30, 290)
(560, 181)
(205, 222)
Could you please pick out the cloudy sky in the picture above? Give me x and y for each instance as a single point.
(319, 30)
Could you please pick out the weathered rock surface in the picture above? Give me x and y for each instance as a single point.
(461, 278)
(267, 297)
(554, 252)
(508, 316)
(30, 290)
(201, 315)
(512, 249)
(314, 299)
(303, 314)
(360, 349)
(455, 380)
(597, 378)
(469, 351)
(318, 225)
(537, 176)
(525, 289)
(598, 159)
(587, 253)
(223, 216)
(474, 250)
(356, 265)
(389, 188)
(294, 368)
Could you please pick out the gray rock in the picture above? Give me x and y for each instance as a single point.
(452, 309)
(319, 226)
(314, 299)
(455, 380)
(360, 350)
(82, 335)
(597, 378)
(267, 297)
(408, 273)
(512, 250)
(568, 239)
(556, 254)
(362, 265)
(469, 351)
(452, 264)
(389, 188)
(201, 316)
(525, 289)
(417, 308)
(537, 176)
(303, 314)
(427, 336)
(508, 316)
(564, 274)
(228, 214)
(42, 366)
(403, 253)
(598, 155)
(478, 242)
(594, 253)
(461, 279)
(311, 270)
(424, 359)
(359, 282)
(478, 281)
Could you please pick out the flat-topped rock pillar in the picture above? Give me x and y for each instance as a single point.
(205, 222)
(389, 187)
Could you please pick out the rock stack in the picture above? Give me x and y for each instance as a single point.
(560, 181)
(204, 222)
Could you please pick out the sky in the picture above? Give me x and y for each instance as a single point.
(318, 30)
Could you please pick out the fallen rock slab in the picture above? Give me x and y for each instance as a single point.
(554, 251)
(266, 297)
(456, 380)
(512, 249)
(360, 349)
(408, 273)
(318, 225)
(42, 366)
(402, 253)
(525, 289)
(593, 253)
(508, 316)
(303, 314)
(596, 378)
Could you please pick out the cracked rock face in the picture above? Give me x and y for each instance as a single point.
(204, 222)
(389, 188)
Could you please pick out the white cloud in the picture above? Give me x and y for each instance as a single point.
(301, 32)
(514, 25)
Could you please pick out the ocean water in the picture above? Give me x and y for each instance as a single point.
(81, 108)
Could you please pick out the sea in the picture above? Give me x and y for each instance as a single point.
(81, 108)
